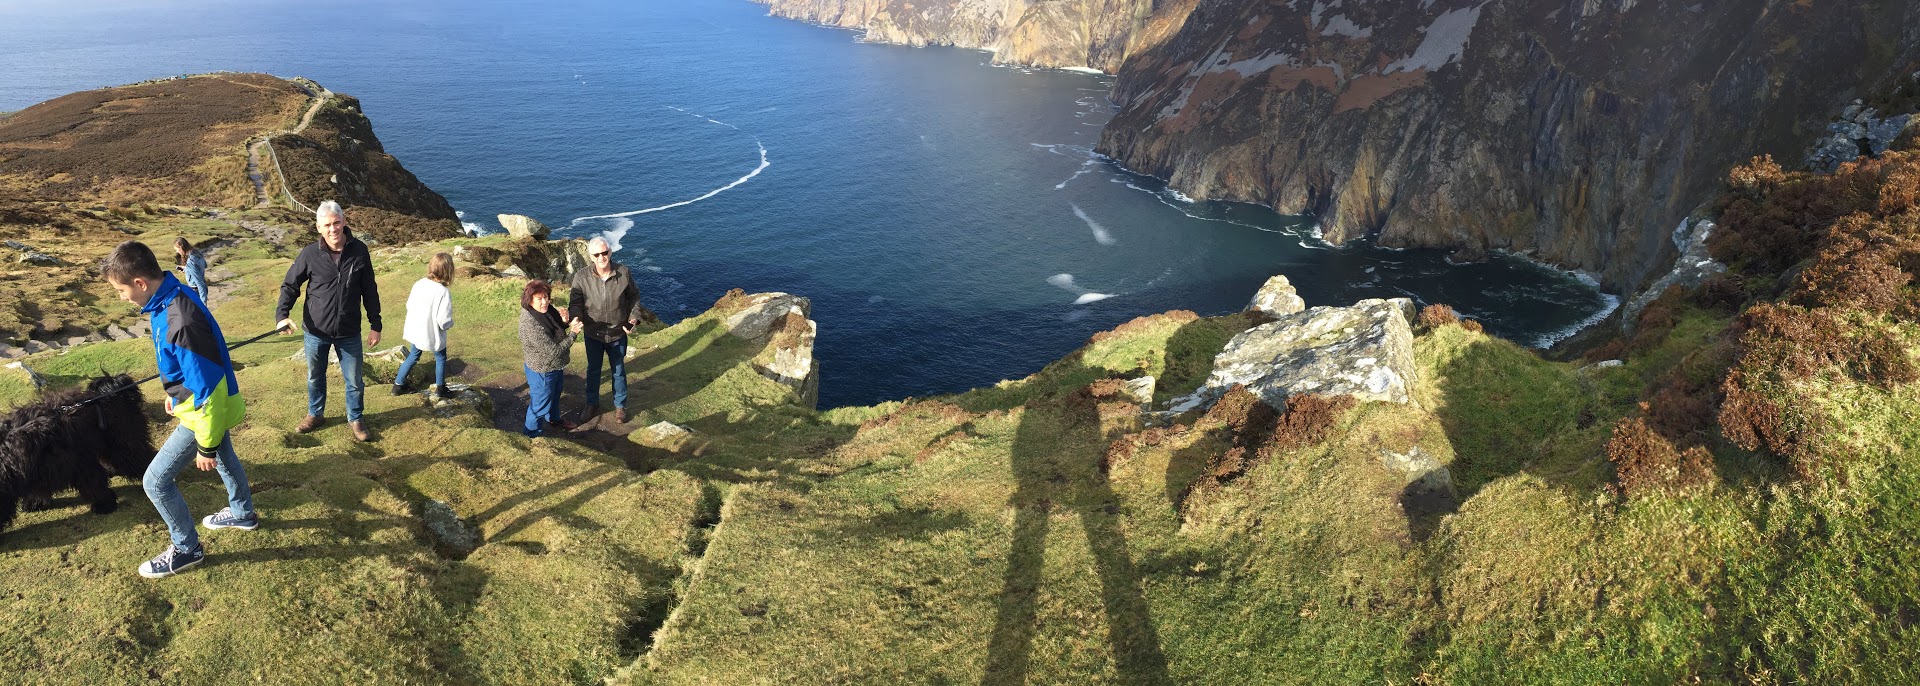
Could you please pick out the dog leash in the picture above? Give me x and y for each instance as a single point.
(156, 375)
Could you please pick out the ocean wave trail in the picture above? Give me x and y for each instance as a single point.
(1065, 282)
(1100, 234)
(736, 182)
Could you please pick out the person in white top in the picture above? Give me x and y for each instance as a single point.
(429, 315)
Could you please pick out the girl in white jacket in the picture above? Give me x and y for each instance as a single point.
(429, 315)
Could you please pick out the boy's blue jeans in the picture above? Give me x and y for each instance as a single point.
(350, 353)
(616, 353)
(175, 455)
(543, 397)
(413, 355)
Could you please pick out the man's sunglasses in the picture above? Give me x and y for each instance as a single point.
(597, 254)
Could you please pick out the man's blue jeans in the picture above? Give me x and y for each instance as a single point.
(616, 353)
(543, 397)
(349, 351)
(413, 355)
(175, 455)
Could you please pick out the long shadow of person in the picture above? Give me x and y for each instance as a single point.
(1057, 460)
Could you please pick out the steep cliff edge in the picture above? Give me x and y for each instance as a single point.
(184, 142)
(1045, 33)
(1578, 132)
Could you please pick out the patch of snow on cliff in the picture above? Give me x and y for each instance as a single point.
(1445, 41)
(1340, 25)
(1253, 67)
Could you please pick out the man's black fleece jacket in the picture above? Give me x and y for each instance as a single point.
(335, 290)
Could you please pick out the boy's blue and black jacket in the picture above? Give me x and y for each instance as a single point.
(192, 356)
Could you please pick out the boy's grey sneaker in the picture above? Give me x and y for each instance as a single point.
(224, 519)
(170, 562)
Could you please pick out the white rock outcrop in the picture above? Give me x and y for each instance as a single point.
(1276, 298)
(789, 355)
(522, 226)
(1692, 267)
(1365, 351)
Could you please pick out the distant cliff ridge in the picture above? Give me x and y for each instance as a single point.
(1046, 33)
(1579, 132)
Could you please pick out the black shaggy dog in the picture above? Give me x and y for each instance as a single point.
(50, 445)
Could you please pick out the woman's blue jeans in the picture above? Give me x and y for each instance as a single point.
(543, 397)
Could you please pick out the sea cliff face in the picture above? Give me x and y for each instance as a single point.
(1578, 132)
(1046, 33)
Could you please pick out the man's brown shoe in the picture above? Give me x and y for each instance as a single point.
(309, 424)
(620, 415)
(359, 430)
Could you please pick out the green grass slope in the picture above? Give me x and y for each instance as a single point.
(1730, 504)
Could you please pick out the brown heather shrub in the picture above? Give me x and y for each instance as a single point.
(1754, 422)
(1472, 325)
(1900, 188)
(1882, 361)
(1859, 267)
(1614, 349)
(1646, 462)
(1309, 420)
(1435, 316)
(1758, 176)
(1248, 421)
(1682, 412)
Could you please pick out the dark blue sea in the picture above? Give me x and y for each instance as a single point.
(947, 217)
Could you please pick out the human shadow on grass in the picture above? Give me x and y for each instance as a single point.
(1057, 456)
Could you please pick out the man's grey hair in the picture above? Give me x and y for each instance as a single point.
(600, 241)
(329, 208)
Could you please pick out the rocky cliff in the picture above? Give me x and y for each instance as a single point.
(1043, 33)
(1577, 131)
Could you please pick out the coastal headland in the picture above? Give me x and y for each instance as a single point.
(1303, 491)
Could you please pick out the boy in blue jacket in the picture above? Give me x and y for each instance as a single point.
(201, 392)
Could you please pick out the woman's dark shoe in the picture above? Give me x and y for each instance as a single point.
(399, 389)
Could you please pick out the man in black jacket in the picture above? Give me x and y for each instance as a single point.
(604, 297)
(338, 275)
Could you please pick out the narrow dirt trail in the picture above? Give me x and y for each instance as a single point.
(260, 196)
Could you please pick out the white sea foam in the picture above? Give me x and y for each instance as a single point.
(1100, 234)
(1083, 70)
(470, 229)
(1065, 282)
(736, 182)
(1549, 339)
(1074, 315)
(618, 231)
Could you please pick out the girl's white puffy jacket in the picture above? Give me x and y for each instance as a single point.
(429, 315)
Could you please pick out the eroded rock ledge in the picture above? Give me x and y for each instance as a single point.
(1364, 350)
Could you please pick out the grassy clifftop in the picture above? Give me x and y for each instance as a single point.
(1732, 502)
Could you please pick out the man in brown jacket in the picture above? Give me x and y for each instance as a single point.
(604, 298)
